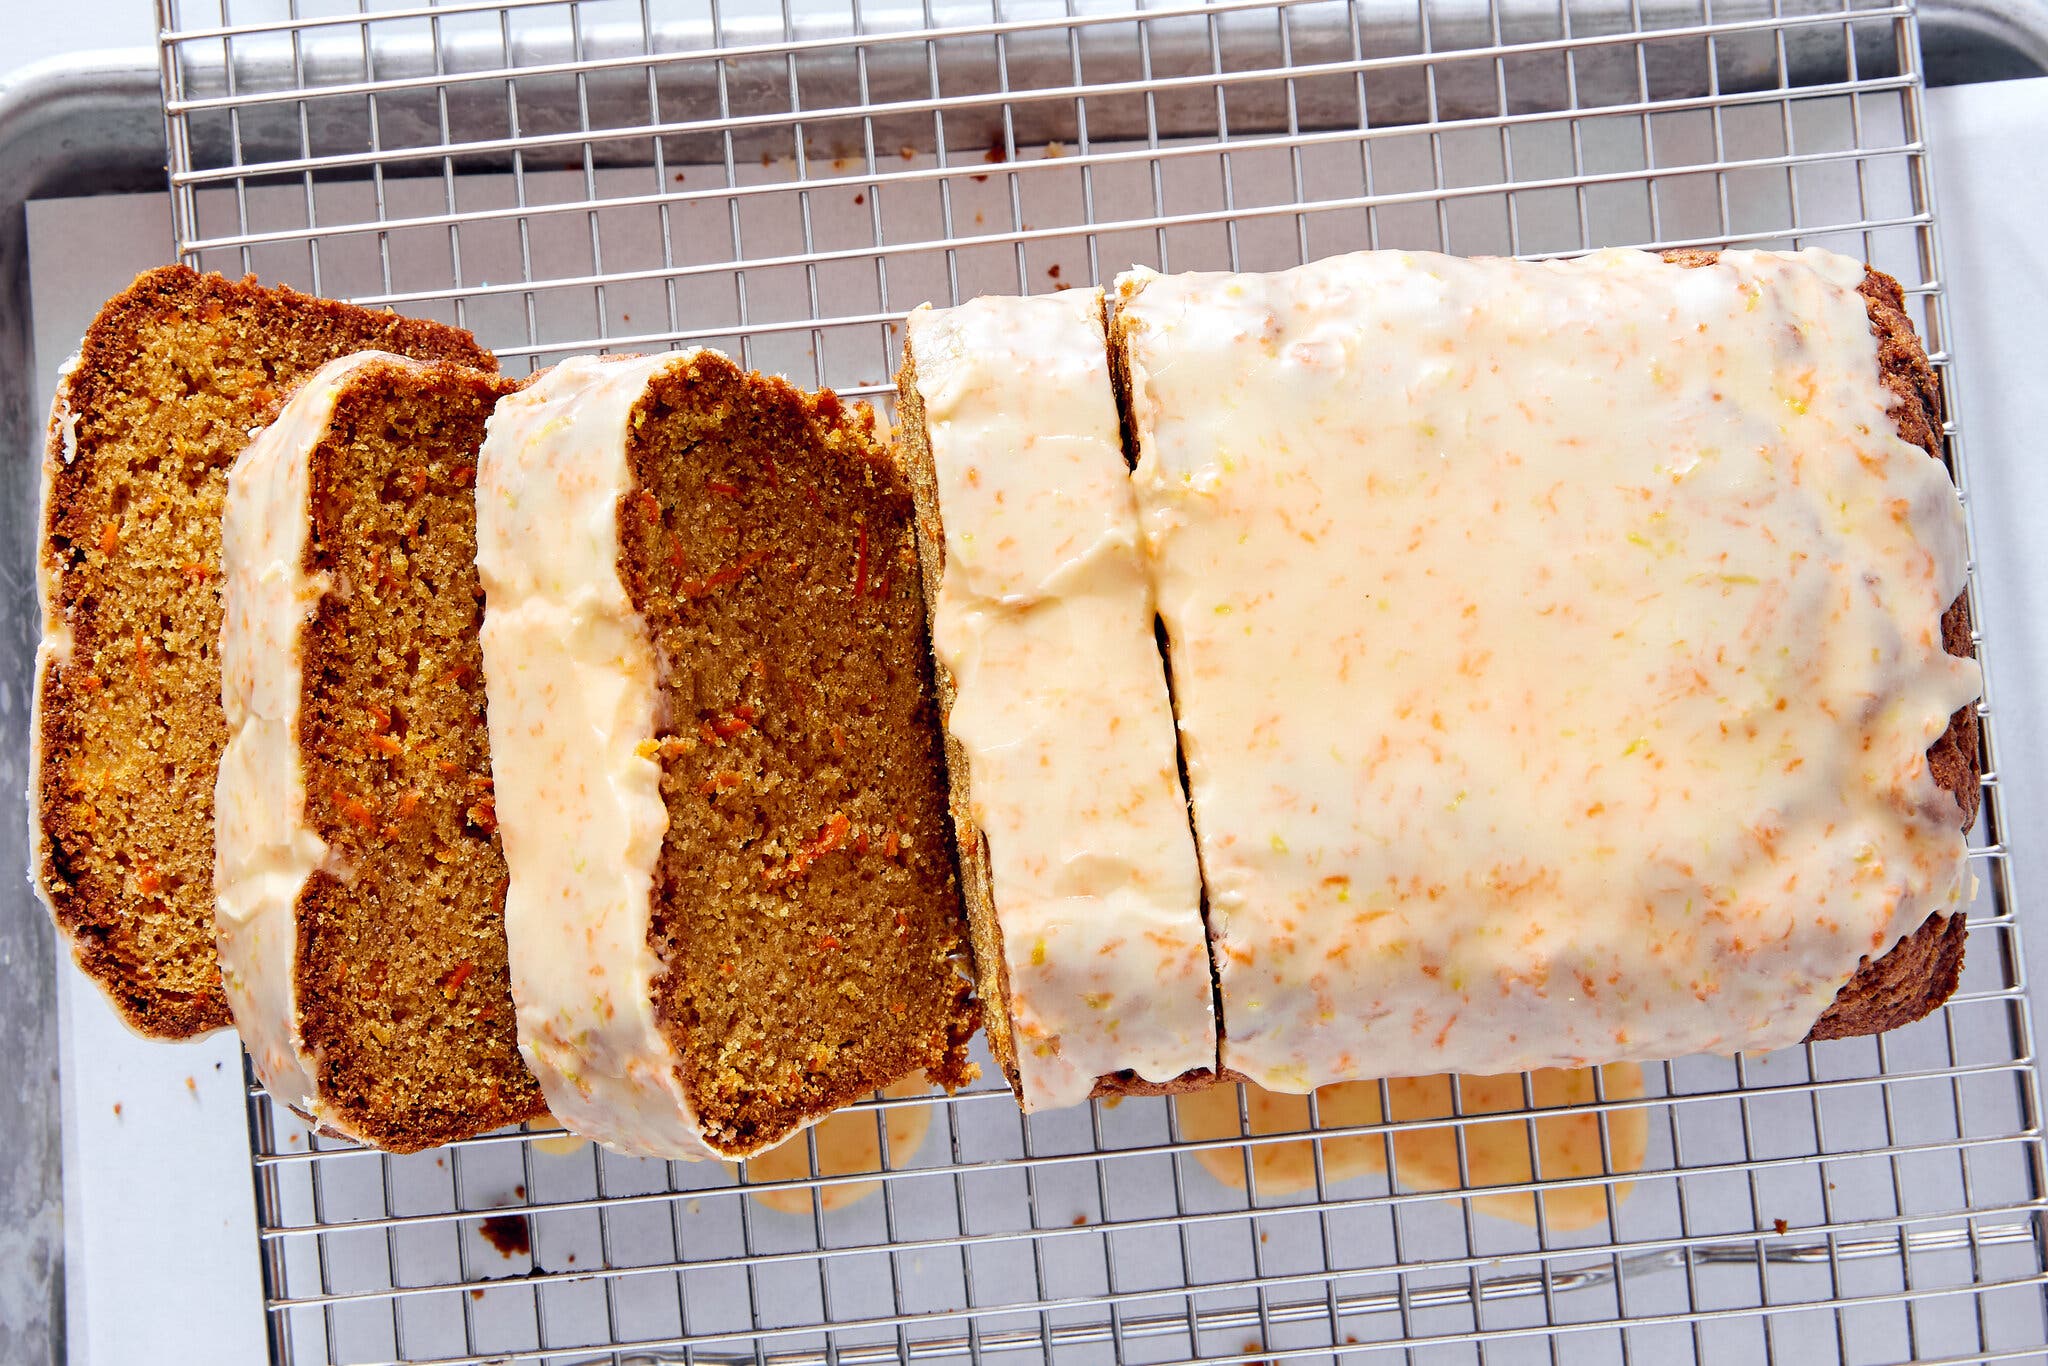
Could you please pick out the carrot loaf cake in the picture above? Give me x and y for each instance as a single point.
(1564, 654)
(1083, 894)
(359, 887)
(733, 905)
(170, 378)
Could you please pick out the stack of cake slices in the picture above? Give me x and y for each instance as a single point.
(1390, 666)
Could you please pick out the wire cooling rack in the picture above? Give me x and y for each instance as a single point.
(785, 181)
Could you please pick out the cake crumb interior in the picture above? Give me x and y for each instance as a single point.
(403, 986)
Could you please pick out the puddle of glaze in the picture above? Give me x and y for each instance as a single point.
(1284, 1168)
(847, 1145)
(1496, 1151)
(563, 1144)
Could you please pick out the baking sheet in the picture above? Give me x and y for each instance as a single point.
(159, 1209)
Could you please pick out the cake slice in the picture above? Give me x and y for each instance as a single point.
(1083, 894)
(733, 904)
(360, 888)
(1566, 654)
(148, 416)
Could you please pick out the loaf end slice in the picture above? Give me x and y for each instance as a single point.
(1920, 972)
(170, 377)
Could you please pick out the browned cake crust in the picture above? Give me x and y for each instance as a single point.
(806, 909)
(403, 991)
(170, 377)
(991, 969)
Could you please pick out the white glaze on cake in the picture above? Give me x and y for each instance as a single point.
(1557, 650)
(1044, 620)
(573, 690)
(264, 851)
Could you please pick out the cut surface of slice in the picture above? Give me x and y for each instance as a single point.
(360, 885)
(1563, 651)
(1083, 894)
(168, 381)
(733, 903)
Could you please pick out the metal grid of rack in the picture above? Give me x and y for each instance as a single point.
(784, 179)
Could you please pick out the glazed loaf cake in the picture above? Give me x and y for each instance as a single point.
(1082, 889)
(733, 905)
(148, 416)
(359, 886)
(1569, 661)
(1566, 654)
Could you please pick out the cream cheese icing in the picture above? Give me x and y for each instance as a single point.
(1044, 619)
(572, 685)
(265, 852)
(1556, 647)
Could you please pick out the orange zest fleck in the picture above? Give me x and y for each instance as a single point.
(724, 781)
(196, 572)
(891, 845)
(452, 980)
(738, 721)
(358, 810)
(149, 881)
(731, 574)
(409, 801)
(484, 816)
(464, 475)
(110, 538)
(722, 489)
(387, 744)
(832, 835)
(829, 838)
